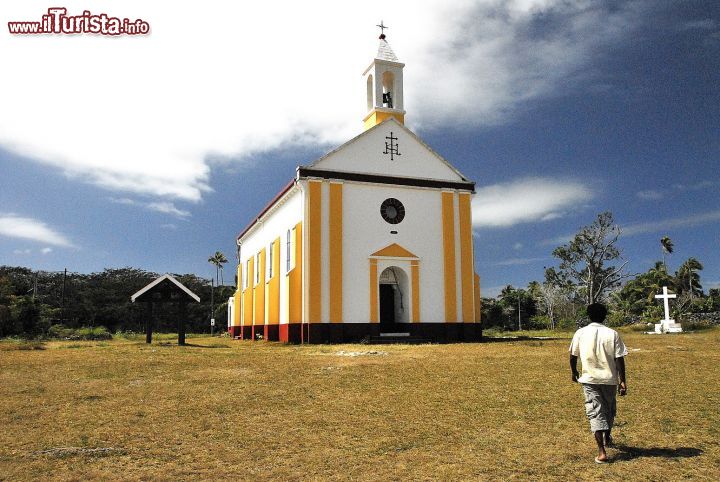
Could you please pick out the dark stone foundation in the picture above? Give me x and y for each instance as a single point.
(355, 332)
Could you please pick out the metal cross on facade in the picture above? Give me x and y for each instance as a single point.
(392, 147)
(382, 29)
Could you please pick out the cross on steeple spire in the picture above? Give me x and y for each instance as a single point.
(382, 29)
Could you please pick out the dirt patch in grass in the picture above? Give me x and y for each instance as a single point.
(264, 411)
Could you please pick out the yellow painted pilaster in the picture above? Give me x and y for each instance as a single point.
(415, 280)
(295, 278)
(448, 220)
(373, 291)
(259, 290)
(336, 252)
(466, 259)
(314, 227)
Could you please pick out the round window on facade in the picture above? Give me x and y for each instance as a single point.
(392, 211)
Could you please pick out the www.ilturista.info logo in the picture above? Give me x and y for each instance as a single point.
(58, 22)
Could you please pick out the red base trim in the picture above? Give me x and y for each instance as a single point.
(234, 331)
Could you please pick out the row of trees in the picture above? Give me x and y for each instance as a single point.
(591, 268)
(32, 301)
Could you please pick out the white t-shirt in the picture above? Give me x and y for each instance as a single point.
(598, 346)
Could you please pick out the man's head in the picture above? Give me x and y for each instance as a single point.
(597, 312)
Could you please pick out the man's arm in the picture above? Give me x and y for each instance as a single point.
(622, 388)
(573, 368)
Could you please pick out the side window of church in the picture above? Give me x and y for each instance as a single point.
(269, 261)
(247, 274)
(257, 268)
(288, 246)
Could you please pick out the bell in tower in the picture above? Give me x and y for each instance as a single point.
(384, 80)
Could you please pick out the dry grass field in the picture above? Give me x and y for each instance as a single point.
(223, 409)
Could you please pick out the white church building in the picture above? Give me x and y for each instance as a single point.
(374, 237)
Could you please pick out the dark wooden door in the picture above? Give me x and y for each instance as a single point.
(387, 305)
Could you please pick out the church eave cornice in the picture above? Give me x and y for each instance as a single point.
(304, 172)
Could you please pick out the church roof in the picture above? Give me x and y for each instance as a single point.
(385, 52)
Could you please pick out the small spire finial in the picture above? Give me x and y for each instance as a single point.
(382, 30)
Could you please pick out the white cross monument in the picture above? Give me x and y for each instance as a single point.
(667, 325)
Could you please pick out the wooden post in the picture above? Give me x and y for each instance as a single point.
(149, 323)
(181, 322)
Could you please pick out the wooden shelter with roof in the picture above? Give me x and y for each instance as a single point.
(165, 289)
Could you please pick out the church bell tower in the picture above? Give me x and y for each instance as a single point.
(384, 81)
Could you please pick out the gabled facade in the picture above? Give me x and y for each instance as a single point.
(374, 237)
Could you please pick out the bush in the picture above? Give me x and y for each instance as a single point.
(86, 333)
(540, 322)
(566, 324)
(615, 318)
(696, 325)
(642, 327)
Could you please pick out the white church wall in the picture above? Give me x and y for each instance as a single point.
(230, 311)
(284, 217)
(365, 232)
(365, 154)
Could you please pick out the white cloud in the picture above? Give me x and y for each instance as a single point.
(27, 228)
(162, 207)
(698, 186)
(145, 114)
(46, 250)
(519, 261)
(22, 251)
(526, 200)
(649, 195)
(492, 291)
(557, 241)
(517, 246)
(168, 208)
(672, 223)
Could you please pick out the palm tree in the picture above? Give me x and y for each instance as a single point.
(218, 259)
(687, 277)
(667, 247)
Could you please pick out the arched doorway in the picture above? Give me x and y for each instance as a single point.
(394, 293)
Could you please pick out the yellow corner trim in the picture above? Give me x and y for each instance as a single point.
(336, 252)
(314, 227)
(448, 218)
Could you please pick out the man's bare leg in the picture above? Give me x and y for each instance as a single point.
(608, 439)
(600, 439)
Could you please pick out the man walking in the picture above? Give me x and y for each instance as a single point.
(601, 352)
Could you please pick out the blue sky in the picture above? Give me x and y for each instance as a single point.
(155, 151)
